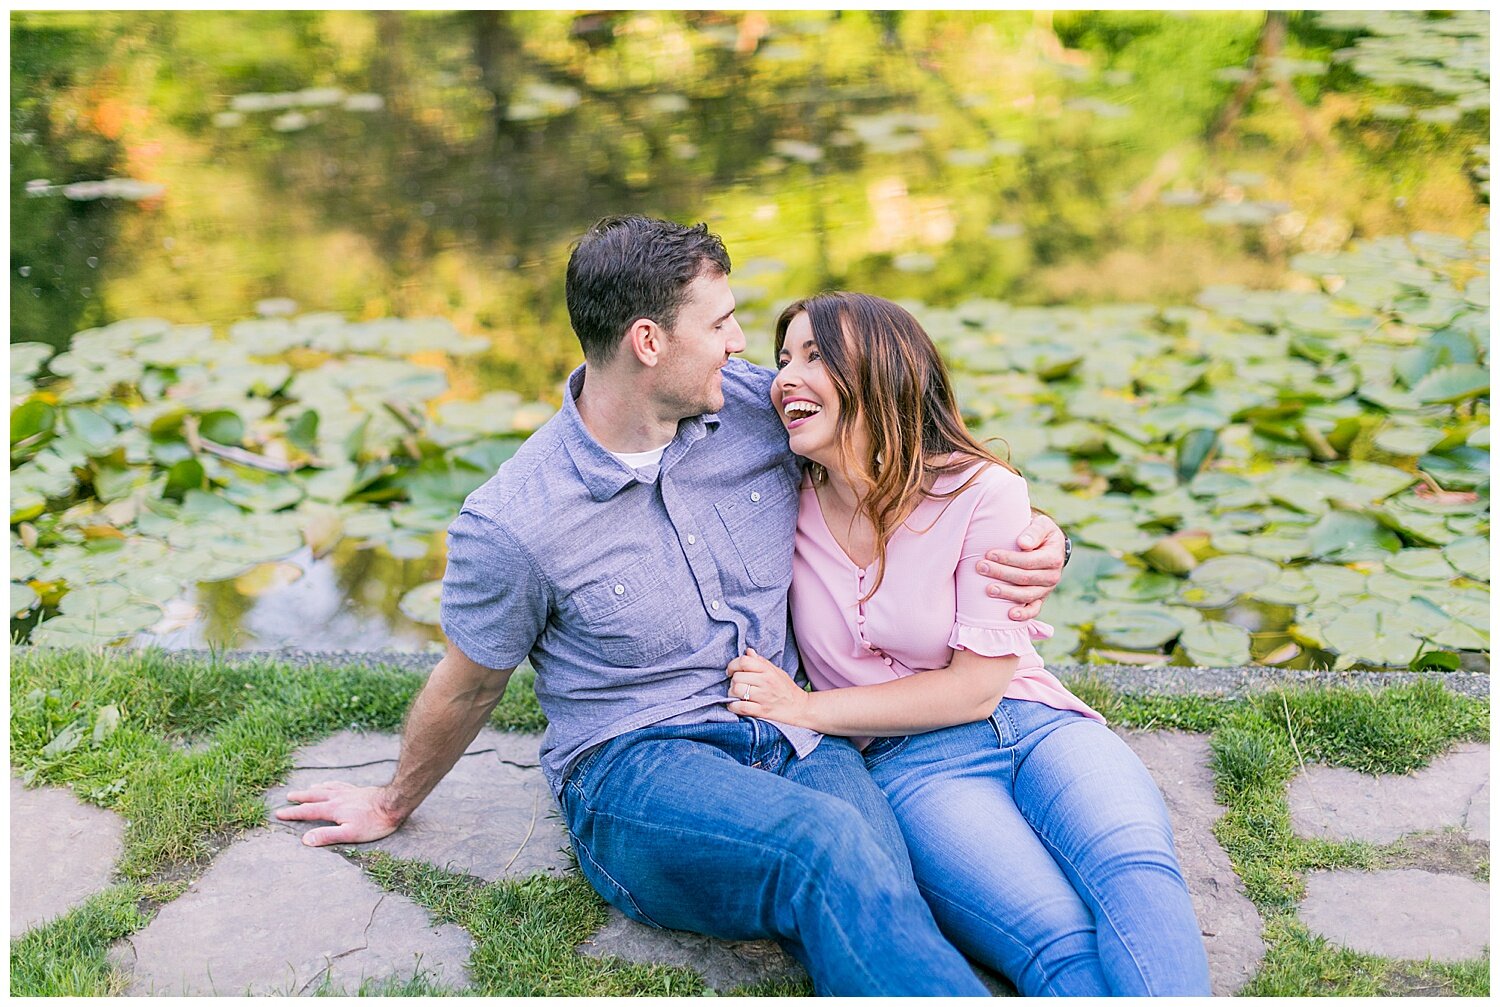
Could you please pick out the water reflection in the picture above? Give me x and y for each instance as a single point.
(347, 600)
(207, 167)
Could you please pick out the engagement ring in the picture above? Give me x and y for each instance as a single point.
(746, 694)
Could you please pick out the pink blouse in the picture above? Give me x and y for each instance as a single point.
(932, 601)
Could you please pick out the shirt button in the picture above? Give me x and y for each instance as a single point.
(755, 497)
(619, 589)
(714, 605)
(692, 540)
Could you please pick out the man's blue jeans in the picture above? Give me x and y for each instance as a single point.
(1045, 851)
(720, 829)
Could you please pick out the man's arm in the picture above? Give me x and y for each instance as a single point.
(444, 718)
(1029, 573)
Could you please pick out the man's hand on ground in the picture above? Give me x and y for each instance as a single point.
(1027, 574)
(360, 813)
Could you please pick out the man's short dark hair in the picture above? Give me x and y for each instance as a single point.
(632, 267)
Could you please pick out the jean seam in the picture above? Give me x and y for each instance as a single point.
(837, 923)
(930, 895)
(1103, 903)
(584, 850)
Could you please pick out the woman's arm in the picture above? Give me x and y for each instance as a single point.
(967, 690)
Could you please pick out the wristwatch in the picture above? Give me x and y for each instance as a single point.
(1067, 548)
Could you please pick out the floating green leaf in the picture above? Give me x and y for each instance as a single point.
(1402, 439)
(423, 603)
(222, 427)
(1421, 564)
(1469, 555)
(30, 419)
(1216, 644)
(1137, 627)
(1453, 383)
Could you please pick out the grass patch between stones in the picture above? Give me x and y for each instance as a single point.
(184, 748)
(1258, 745)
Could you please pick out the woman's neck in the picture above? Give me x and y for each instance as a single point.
(842, 488)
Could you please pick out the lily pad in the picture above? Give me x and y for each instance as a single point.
(1218, 581)
(1216, 644)
(1346, 537)
(1421, 564)
(1469, 555)
(1401, 439)
(423, 603)
(1120, 536)
(22, 598)
(1453, 383)
(1137, 627)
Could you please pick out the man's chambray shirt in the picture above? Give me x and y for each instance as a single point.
(631, 592)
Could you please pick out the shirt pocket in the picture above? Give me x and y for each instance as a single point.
(631, 616)
(761, 517)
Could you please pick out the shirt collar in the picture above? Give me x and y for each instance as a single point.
(603, 473)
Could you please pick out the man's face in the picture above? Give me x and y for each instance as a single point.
(698, 346)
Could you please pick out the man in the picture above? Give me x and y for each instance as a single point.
(635, 545)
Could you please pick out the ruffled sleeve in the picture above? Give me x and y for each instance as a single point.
(985, 641)
(983, 625)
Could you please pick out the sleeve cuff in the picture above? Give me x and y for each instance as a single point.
(987, 642)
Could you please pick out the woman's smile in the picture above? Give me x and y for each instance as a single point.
(796, 412)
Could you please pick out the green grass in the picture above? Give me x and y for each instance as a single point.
(184, 749)
(67, 957)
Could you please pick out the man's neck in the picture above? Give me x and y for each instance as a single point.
(621, 415)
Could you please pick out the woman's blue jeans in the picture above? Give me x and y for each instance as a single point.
(722, 830)
(1044, 849)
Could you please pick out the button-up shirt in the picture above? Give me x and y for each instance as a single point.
(631, 590)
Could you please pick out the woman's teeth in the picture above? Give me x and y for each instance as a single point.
(801, 410)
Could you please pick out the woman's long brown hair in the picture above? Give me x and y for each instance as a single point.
(887, 371)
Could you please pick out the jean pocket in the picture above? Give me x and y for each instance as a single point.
(883, 749)
(1007, 734)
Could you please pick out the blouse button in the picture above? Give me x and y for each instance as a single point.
(860, 619)
(887, 661)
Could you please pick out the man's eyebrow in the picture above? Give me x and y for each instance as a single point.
(725, 315)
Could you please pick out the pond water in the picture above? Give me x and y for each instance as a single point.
(286, 285)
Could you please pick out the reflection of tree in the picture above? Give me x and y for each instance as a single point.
(54, 290)
(1267, 48)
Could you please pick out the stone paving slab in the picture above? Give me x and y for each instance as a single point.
(491, 817)
(1179, 762)
(1405, 913)
(1331, 802)
(723, 964)
(272, 916)
(61, 852)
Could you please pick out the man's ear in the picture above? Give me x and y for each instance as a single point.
(646, 340)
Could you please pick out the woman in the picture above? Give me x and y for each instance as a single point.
(1038, 838)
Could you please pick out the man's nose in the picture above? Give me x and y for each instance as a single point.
(736, 341)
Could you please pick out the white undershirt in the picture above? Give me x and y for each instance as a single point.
(641, 459)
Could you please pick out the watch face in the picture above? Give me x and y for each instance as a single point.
(1067, 550)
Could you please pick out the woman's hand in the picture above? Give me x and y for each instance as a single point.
(760, 689)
